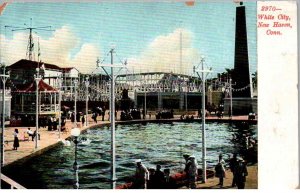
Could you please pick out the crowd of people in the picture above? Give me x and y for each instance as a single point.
(237, 167)
(157, 179)
(131, 114)
(165, 114)
(152, 178)
(187, 117)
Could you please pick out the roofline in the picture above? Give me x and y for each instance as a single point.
(41, 63)
(149, 73)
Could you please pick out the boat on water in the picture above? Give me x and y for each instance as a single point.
(180, 178)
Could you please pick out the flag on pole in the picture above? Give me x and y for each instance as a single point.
(2, 7)
(190, 3)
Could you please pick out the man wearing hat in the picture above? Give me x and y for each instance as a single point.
(192, 172)
(240, 173)
(232, 164)
(220, 170)
(141, 175)
(186, 158)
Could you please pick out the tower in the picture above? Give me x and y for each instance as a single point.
(241, 74)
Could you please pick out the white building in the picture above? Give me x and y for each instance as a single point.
(7, 103)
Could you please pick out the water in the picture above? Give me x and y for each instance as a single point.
(153, 143)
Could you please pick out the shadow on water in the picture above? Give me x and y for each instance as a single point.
(162, 144)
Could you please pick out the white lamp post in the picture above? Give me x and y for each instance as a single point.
(112, 115)
(186, 95)
(75, 132)
(75, 102)
(203, 77)
(145, 100)
(37, 78)
(112, 122)
(87, 83)
(4, 78)
(59, 81)
(230, 87)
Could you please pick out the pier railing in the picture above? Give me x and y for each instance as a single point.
(10, 182)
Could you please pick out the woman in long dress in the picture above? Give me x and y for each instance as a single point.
(16, 139)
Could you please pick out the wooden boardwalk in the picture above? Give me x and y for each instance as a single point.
(49, 139)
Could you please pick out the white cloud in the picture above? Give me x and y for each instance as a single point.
(13, 49)
(163, 54)
(55, 50)
(85, 59)
(65, 49)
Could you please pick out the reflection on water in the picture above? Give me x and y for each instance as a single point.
(154, 143)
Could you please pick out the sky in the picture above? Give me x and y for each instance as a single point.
(146, 34)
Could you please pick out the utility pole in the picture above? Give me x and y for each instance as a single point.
(30, 46)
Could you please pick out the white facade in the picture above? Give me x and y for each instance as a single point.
(51, 76)
(73, 73)
(7, 103)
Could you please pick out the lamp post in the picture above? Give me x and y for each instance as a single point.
(4, 78)
(37, 78)
(59, 81)
(230, 90)
(145, 101)
(112, 122)
(87, 83)
(186, 91)
(75, 102)
(112, 77)
(203, 77)
(75, 132)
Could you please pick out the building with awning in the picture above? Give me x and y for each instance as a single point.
(22, 73)
(23, 104)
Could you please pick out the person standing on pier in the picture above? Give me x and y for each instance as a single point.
(186, 167)
(141, 175)
(158, 179)
(232, 164)
(82, 120)
(169, 182)
(192, 172)
(73, 117)
(150, 184)
(16, 140)
(94, 117)
(220, 170)
(78, 117)
(240, 173)
(103, 113)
